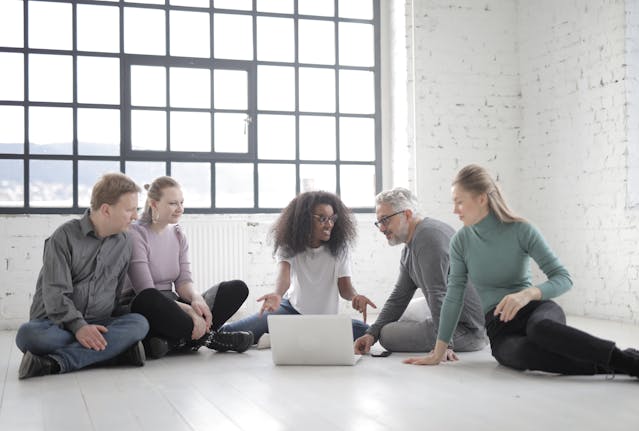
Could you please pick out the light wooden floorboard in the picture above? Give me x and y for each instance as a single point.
(234, 392)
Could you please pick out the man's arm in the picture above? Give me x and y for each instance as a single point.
(57, 284)
(396, 303)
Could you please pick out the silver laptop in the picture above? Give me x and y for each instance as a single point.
(325, 339)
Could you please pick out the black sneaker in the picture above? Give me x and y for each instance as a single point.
(223, 341)
(34, 366)
(134, 355)
(156, 347)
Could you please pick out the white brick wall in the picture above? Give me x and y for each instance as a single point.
(22, 237)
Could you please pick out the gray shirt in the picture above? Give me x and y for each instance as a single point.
(81, 275)
(424, 264)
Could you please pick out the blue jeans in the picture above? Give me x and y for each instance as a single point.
(43, 337)
(258, 324)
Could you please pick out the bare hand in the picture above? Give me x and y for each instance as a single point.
(450, 356)
(429, 359)
(271, 302)
(202, 309)
(363, 344)
(90, 336)
(360, 302)
(511, 304)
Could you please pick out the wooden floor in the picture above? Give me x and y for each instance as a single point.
(229, 391)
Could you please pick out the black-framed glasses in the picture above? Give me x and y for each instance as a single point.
(386, 219)
(325, 219)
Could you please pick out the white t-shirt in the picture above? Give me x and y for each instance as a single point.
(314, 275)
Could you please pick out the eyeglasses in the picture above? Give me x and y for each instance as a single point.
(386, 219)
(324, 219)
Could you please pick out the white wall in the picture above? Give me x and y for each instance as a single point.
(537, 91)
(22, 237)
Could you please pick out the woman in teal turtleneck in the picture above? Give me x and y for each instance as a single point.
(527, 330)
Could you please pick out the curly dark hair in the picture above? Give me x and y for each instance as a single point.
(293, 228)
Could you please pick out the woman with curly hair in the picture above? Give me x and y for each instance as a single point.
(312, 237)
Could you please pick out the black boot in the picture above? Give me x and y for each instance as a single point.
(223, 341)
(625, 362)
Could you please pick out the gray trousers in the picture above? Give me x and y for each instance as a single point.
(411, 336)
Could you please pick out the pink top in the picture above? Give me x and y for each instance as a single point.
(158, 260)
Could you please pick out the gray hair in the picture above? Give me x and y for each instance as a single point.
(399, 199)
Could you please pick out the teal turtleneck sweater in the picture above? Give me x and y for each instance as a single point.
(496, 258)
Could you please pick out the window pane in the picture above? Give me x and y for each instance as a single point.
(233, 4)
(12, 129)
(99, 80)
(234, 185)
(317, 177)
(11, 76)
(317, 90)
(195, 181)
(98, 28)
(275, 6)
(316, 42)
(192, 3)
(11, 183)
(50, 183)
(148, 86)
(356, 44)
(88, 173)
(276, 185)
(276, 136)
(356, 92)
(357, 139)
(149, 41)
(276, 88)
(275, 39)
(50, 130)
(190, 131)
(190, 87)
(50, 78)
(362, 9)
(99, 132)
(190, 34)
(317, 138)
(231, 133)
(233, 36)
(50, 25)
(357, 184)
(230, 89)
(11, 24)
(144, 173)
(148, 130)
(316, 7)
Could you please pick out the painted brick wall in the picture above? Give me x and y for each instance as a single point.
(573, 151)
(22, 237)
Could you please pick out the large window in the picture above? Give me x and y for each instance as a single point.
(244, 102)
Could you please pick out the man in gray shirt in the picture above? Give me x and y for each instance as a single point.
(84, 267)
(424, 264)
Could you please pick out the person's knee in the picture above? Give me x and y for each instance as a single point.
(237, 287)
(34, 338)
(137, 325)
(146, 300)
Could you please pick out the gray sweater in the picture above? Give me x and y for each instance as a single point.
(424, 264)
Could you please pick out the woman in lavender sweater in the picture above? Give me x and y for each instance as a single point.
(161, 287)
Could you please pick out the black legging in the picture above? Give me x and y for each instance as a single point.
(539, 339)
(168, 320)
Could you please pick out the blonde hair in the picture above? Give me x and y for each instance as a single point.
(476, 180)
(154, 192)
(110, 187)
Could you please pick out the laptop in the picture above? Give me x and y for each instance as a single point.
(325, 339)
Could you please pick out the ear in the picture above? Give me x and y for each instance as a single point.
(105, 210)
(483, 199)
(409, 213)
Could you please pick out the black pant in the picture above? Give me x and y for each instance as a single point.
(168, 320)
(539, 339)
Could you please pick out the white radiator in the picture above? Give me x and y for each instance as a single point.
(218, 251)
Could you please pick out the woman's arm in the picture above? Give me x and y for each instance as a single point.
(282, 283)
(348, 292)
(200, 308)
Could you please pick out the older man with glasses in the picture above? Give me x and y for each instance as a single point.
(424, 264)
